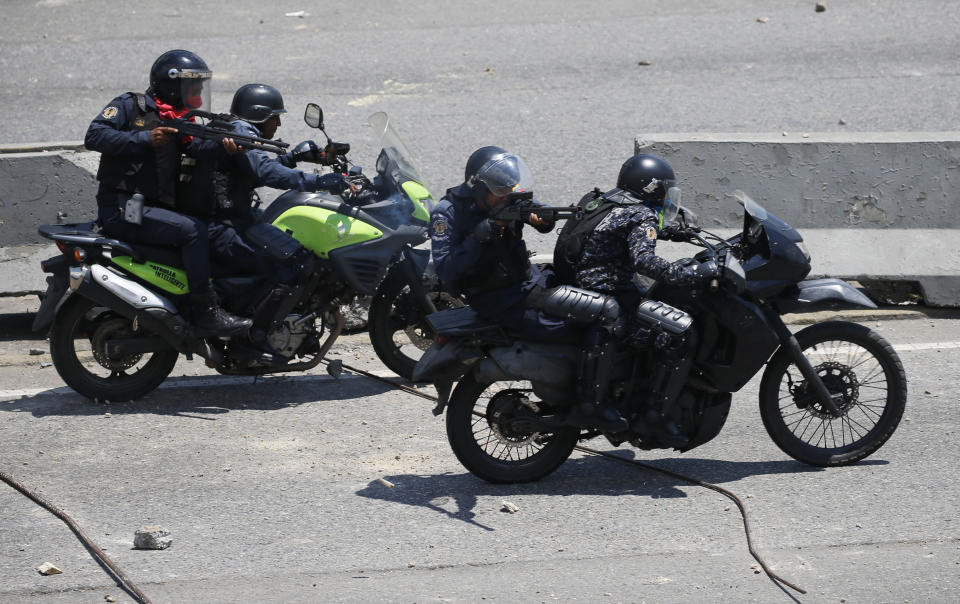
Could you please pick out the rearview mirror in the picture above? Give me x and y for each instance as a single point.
(313, 116)
(688, 218)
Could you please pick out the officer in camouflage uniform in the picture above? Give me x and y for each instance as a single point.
(616, 238)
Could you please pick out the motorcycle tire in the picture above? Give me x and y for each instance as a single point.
(866, 378)
(397, 324)
(491, 452)
(81, 322)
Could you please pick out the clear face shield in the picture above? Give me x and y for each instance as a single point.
(671, 207)
(194, 88)
(506, 174)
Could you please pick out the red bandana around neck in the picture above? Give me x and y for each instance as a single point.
(167, 112)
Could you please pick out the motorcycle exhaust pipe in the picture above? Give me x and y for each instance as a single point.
(135, 302)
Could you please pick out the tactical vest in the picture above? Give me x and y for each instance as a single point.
(121, 171)
(504, 262)
(566, 253)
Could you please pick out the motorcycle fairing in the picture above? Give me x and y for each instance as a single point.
(815, 294)
(322, 230)
(417, 194)
(364, 263)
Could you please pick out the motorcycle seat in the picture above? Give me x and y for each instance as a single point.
(465, 321)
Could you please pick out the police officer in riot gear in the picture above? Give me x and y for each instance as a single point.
(256, 109)
(617, 238)
(487, 260)
(138, 156)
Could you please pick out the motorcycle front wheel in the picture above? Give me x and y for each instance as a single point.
(482, 439)
(866, 380)
(397, 323)
(78, 347)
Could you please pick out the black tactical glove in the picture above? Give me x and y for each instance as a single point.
(485, 230)
(674, 232)
(306, 151)
(705, 272)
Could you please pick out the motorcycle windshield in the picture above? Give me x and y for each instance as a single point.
(758, 213)
(396, 162)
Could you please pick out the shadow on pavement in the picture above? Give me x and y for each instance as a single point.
(202, 397)
(589, 475)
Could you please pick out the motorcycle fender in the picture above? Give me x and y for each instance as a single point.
(444, 365)
(421, 258)
(534, 361)
(57, 291)
(821, 294)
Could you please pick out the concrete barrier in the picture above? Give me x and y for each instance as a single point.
(39, 184)
(878, 208)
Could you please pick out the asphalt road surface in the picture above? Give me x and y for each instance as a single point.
(559, 82)
(272, 492)
(271, 488)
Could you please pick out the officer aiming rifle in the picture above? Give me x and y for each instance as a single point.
(218, 128)
(520, 206)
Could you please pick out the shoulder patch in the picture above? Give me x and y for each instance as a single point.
(651, 233)
(440, 226)
(110, 112)
(592, 205)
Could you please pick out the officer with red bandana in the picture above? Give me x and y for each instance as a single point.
(139, 156)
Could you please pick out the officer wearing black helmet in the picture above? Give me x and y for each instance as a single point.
(617, 238)
(257, 109)
(140, 156)
(486, 260)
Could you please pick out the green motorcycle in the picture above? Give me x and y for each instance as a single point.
(117, 314)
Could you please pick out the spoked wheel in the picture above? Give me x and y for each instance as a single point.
(484, 427)
(79, 347)
(867, 383)
(397, 324)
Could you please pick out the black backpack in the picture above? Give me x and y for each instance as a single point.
(566, 253)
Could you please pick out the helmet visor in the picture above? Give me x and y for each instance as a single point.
(506, 173)
(195, 88)
(671, 207)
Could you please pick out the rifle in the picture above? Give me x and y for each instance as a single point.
(218, 128)
(521, 205)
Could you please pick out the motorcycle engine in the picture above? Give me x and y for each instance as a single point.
(288, 337)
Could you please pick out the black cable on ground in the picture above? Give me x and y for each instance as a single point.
(635, 463)
(96, 551)
(729, 494)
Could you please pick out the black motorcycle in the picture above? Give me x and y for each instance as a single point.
(830, 395)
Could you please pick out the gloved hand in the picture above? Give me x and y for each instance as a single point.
(334, 182)
(674, 232)
(305, 151)
(485, 230)
(705, 272)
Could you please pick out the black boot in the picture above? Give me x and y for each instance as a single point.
(210, 319)
(596, 363)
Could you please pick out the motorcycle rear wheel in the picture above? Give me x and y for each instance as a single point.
(78, 340)
(489, 449)
(397, 324)
(866, 378)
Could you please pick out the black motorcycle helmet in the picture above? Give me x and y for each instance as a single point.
(495, 170)
(179, 77)
(256, 103)
(651, 180)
